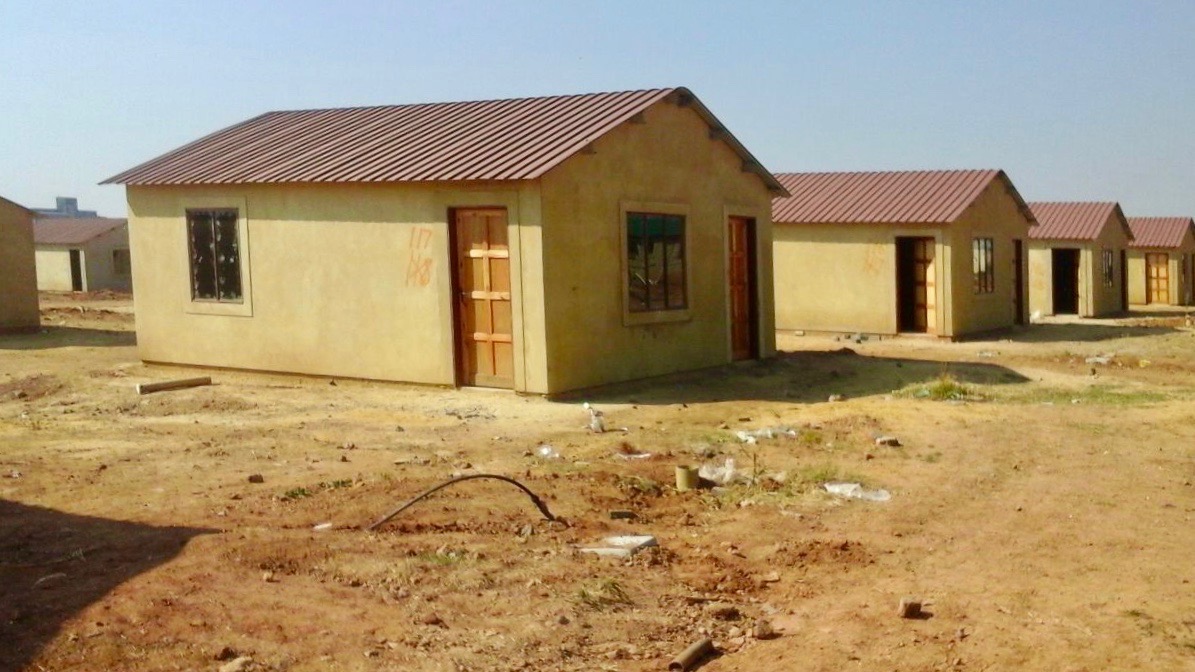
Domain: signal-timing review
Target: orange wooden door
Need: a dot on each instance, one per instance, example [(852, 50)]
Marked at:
[(1157, 278), (924, 276), (740, 276), (484, 328)]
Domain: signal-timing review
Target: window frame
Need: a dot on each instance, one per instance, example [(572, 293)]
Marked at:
[(661, 315), (983, 265), (192, 305), (1108, 266)]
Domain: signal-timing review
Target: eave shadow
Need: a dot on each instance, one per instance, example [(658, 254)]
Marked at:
[(1080, 332), (54, 564)]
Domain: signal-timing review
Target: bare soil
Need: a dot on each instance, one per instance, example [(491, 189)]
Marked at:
[(1041, 507)]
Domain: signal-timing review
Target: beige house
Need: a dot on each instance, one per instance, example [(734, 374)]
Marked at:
[(540, 244), (18, 277), (934, 252), (1161, 261), (83, 254), (1077, 258)]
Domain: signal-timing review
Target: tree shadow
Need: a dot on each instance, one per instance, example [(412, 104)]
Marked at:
[(54, 564), (49, 337), (1080, 332), (803, 376)]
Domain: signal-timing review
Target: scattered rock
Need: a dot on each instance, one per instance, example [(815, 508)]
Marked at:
[(563, 620), (886, 440), (240, 664), (723, 611), (763, 630), (620, 514), (771, 577), (256, 478), (910, 607), (836, 397), (269, 577), (226, 653), (432, 618)]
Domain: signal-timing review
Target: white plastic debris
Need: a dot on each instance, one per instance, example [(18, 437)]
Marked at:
[(546, 451), (632, 456), (856, 491), (752, 436), (623, 546), (597, 419), (723, 475), (321, 527), (1102, 360)]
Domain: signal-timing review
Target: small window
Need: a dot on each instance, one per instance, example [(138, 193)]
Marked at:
[(655, 262), (1108, 266), (983, 266), (122, 266), (215, 256)]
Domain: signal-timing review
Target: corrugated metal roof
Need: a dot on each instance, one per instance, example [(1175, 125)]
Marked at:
[(1160, 231), (1075, 220), (72, 230), (512, 139), (889, 197)]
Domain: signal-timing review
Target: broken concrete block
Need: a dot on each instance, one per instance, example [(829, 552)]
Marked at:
[(623, 546)]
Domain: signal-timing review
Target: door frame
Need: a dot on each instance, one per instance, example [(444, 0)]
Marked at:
[(931, 294), (458, 373), (752, 247)]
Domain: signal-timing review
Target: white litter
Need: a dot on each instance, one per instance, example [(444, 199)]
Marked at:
[(752, 436), (547, 452), (723, 475), (623, 546), (322, 526), (856, 491), (597, 419)]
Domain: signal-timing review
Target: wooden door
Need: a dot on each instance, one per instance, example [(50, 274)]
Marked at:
[(923, 269), (741, 279), (484, 327), (1157, 278)]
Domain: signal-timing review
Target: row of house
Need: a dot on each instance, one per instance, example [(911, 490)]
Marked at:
[(549, 244)]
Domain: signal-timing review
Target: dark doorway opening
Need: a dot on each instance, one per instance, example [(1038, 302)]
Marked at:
[(76, 272), (1066, 281), (915, 285)]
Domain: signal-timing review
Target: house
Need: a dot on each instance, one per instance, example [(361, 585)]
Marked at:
[(18, 278), (83, 254), (538, 244), (1077, 257), (938, 252), (1161, 258)]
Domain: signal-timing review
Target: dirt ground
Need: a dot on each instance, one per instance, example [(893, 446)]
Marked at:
[(1041, 508)]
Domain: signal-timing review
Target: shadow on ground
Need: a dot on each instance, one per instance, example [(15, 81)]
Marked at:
[(49, 337), (1081, 332), (54, 564), (805, 377)]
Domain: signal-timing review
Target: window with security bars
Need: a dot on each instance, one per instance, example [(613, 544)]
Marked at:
[(655, 262), (983, 266), (1108, 267), (215, 255)]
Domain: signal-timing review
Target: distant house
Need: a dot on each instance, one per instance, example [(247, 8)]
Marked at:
[(934, 252), (18, 278), (1161, 259), (82, 254), (1077, 258), (537, 244), (64, 206)]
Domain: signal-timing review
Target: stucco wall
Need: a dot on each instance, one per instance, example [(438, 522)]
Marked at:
[(842, 277), (667, 160), (99, 271), (1181, 289), (1095, 298), (18, 275), (54, 268), (994, 215), (328, 279)]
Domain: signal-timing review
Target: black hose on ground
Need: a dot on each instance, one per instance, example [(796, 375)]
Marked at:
[(539, 503)]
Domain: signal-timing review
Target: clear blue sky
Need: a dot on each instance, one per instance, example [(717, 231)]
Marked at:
[(1077, 100)]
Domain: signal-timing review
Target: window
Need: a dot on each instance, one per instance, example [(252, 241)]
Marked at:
[(122, 266), (982, 266), (1108, 267), (215, 256), (655, 262)]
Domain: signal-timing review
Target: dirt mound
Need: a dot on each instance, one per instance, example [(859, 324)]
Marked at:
[(30, 388)]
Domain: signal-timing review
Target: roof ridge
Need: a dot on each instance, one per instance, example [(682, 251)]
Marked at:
[(511, 99)]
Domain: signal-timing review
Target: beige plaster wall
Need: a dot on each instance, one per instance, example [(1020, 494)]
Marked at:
[(53, 268), (996, 215), (1181, 289), (18, 275), (329, 281), (667, 161), (98, 269), (842, 277), (1108, 300)]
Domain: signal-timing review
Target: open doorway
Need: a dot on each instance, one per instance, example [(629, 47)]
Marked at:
[(76, 271), (915, 283), (1065, 281)]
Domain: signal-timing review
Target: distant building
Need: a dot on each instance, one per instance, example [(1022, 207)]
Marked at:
[(82, 254), (18, 279), (65, 206)]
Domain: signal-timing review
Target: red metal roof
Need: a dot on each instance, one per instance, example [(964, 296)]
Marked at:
[(513, 139), (72, 230), (893, 197), (1075, 220), (1160, 231)]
